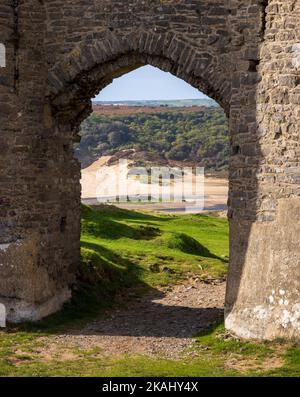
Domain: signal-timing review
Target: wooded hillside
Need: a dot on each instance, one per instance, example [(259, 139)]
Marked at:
[(198, 135)]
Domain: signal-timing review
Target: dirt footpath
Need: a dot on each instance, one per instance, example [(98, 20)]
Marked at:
[(161, 323)]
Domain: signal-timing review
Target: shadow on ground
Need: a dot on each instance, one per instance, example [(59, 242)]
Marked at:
[(119, 303), (149, 318)]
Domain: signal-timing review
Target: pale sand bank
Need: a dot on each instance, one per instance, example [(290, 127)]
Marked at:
[(98, 180)]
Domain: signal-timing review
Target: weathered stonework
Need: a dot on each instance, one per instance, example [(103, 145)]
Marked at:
[(244, 54)]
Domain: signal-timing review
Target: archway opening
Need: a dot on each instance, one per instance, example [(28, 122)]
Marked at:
[(153, 133)]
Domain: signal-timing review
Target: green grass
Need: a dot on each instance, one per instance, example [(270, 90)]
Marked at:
[(125, 254), (214, 355), (186, 243)]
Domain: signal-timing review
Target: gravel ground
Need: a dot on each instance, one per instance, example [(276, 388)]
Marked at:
[(163, 322)]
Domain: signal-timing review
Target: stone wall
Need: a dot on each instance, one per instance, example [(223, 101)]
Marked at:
[(39, 180), (244, 54), (266, 304)]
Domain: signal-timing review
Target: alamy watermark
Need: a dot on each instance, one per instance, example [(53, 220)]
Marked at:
[(2, 56), (123, 183), (2, 316)]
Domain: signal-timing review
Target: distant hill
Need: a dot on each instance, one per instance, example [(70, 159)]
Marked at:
[(168, 103), (197, 135), (122, 110)]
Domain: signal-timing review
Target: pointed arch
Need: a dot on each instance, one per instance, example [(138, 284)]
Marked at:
[(89, 68)]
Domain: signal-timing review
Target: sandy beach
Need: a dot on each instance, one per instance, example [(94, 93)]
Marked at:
[(103, 183)]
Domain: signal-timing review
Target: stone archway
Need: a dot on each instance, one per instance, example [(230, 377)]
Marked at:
[(89, 68), (227, 49)]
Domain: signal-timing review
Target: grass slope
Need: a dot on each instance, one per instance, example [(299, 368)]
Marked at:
[(143, 241), (125, 253)]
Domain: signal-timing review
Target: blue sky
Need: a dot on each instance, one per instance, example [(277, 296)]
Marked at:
[(148, 83)]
